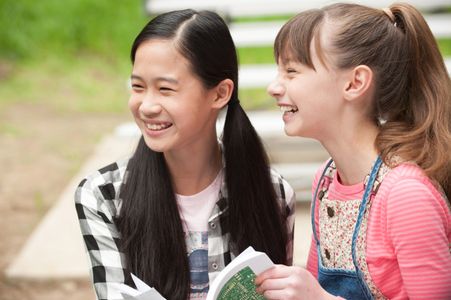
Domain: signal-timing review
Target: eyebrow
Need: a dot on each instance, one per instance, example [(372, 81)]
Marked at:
[(161, 78)]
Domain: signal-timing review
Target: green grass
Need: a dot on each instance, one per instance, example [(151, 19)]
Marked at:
[(262, 18), (91, 85), (256, 55), (66, 28), (256, 99), (445, 46)]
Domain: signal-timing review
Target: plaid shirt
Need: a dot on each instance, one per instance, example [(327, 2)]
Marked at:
[(97, 203)]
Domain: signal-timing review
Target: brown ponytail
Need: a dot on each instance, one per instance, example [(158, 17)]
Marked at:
[(420, 131)]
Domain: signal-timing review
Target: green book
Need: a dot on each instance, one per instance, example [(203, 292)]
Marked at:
[(236, 281)]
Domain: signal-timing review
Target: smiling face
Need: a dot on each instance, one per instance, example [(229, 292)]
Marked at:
[(169, 103), (309, 98)]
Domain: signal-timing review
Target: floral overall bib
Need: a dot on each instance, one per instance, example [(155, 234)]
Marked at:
[(343, 271)]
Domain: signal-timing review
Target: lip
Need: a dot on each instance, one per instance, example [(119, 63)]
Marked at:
[(286, 115)]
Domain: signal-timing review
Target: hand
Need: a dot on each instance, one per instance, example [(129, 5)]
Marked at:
[(290, 283)]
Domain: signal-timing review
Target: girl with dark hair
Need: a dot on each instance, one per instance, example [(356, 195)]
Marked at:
[(372, 87), (185, 204)]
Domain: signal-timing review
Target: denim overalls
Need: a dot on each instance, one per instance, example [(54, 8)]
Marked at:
[(349, 284)]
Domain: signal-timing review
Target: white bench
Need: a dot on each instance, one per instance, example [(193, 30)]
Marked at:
[(264, 33), (245, 8)]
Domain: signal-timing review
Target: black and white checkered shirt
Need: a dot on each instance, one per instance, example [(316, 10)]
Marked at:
[(97, 203)]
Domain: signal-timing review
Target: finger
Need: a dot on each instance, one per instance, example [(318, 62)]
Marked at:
[(279, 295), (277, 284), (278, 271)]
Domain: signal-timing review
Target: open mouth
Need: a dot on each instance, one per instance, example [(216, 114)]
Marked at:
[(288, 109), (158, 126)]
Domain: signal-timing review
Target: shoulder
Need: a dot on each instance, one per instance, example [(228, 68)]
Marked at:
[(104, 184), (406, 177), (407, 185)]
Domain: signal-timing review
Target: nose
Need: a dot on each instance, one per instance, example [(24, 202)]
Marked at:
[(276, 89), (149, 107)]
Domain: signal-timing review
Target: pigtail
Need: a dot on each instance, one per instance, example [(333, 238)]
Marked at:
[(421, 131), (151, 230), (257, 216)]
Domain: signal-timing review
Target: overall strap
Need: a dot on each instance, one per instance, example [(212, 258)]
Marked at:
[(366, 196), (315, 197)]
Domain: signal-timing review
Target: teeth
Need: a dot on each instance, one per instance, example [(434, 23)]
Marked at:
[(286, 108), (157, 126)]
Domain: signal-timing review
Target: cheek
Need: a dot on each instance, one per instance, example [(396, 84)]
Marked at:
[(133, 104), (294, 91)]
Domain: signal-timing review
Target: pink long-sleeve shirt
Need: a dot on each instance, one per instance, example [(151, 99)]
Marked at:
[(408, 236)]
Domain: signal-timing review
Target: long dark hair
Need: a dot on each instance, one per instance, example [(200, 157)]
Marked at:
[(152, 234), (412, 86)]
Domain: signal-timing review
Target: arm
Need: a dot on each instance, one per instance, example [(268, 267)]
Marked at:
[(101, 240), (418, 226), (312, 261)]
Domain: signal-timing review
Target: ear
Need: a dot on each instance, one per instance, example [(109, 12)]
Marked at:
[(222, 93), (358, 82)]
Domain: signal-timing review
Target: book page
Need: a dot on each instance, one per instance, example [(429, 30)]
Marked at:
[(151, 294), (142, 291), (244, 267), (240, 286)]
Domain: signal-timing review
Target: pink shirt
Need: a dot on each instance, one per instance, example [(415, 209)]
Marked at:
[(408, 235), (195, 210)]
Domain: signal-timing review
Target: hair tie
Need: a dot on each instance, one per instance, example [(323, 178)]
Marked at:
[(390, 15)]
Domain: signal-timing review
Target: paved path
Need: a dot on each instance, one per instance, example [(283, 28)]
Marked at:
[(55, 249)]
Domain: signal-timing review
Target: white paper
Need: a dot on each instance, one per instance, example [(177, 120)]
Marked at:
[(142, 291)]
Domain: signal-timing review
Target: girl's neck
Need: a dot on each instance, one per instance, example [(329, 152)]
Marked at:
[(354, 153), (192, 170)]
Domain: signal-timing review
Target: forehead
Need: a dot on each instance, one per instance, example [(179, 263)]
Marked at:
[(312, 50), (159, 55)]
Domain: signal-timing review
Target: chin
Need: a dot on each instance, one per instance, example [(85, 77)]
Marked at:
[(154, 146), (290, 132)]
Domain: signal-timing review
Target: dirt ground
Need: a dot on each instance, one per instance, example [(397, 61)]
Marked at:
[(40, 150)]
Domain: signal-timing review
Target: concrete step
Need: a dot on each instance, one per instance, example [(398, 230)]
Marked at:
[(55, 249), (264, 33)]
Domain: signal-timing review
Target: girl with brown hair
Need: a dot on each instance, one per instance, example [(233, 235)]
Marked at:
[(372, 87)]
